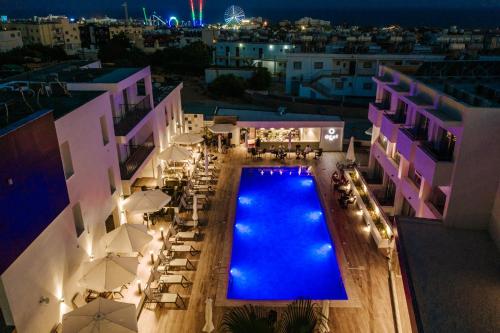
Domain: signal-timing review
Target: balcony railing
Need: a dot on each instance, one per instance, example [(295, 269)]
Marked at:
[(396, 118), (382, 105), (138, 154), (131, 115), (436, 154), (415, 133)]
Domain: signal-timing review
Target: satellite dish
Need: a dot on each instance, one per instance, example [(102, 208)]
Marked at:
[(234, 15)]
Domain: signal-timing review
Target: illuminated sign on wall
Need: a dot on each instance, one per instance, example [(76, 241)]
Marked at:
[(331, 134)]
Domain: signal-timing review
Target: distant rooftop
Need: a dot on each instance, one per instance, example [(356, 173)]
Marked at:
[(265, 115), (14, 109), (452, 276)]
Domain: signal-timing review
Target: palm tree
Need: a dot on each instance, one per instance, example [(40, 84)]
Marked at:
[(301, 317), (247, 319)]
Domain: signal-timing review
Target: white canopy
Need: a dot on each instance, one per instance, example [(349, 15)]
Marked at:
[(109, 272), (187, 139), (146, 201), (350, 156), (221, 128), (195, 210), (127, 238), (101, 315), (175, 154)]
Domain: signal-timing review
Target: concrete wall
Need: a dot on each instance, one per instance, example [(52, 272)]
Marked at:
[(212, 73), (51, 265)]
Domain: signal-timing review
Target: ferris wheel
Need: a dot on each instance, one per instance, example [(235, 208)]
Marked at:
[(234, 15)]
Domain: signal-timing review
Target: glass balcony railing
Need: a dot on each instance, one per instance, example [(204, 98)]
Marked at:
[(415, 133), (137, 155), (130, 115), (437, 154)]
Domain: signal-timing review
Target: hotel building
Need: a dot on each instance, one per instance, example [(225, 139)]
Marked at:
[(50, 31), (330, 76), (434, 151), (10, 39), (77, 138)]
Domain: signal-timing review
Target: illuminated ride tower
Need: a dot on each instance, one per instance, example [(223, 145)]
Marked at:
[(198, 22)]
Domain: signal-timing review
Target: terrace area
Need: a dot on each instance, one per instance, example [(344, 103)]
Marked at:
[(363, 266)]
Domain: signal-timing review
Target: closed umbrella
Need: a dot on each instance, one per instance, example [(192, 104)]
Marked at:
[(195, 210), (101, 315), (325, 311), (187, 139), (127, 238), (350, 156), (109, 272), (175, 154), (219, 143), (206, 159), (146, 201), (209, 324), (159, 174), (246, 139)]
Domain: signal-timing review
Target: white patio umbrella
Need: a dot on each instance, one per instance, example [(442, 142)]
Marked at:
[(101, 315), (187, 139), (325, 311), (109, 272), (127, 238), (195, 210), (209, 324), (219, 143), (205, 153), (221, 128), (175, 154), (159, 174), (146, 201), (350, 151)]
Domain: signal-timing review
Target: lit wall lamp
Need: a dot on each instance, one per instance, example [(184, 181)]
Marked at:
[(139, 289), (162, 236), (152, 257)]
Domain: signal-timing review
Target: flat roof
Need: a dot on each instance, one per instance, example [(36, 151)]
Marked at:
[(20, 110), (47, 70), (265, 115), (451, 275), (72, 72)]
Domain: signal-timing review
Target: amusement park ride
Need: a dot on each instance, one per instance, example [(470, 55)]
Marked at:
[(157, 20)]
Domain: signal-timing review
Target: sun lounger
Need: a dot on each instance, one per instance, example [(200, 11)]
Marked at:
[(183, 223), (175, 263), (169, 279), (164, 298)]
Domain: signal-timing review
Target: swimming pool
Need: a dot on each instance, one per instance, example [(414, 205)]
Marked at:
[(282, 249)]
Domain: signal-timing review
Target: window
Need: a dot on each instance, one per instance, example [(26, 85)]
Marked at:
[(367, 86), (297, 65), (104, 130), (367, 64), (111, 178), (78, 219), (318, 65), (339, 85), (66, 160)]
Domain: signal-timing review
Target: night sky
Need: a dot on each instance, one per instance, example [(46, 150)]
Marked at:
[(214, 9)]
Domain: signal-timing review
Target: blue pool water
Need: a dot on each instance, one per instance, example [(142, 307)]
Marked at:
[(282, 249)]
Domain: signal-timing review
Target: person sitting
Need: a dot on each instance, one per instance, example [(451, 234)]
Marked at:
[(307, 150)]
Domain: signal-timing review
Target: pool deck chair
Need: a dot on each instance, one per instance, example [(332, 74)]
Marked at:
[(176, 263), (182, 248), (169, 279), (164, 298), (183, 223)]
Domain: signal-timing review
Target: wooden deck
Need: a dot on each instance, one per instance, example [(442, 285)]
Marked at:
[(363, 266)]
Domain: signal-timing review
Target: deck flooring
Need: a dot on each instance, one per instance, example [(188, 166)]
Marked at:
[(363, 265)]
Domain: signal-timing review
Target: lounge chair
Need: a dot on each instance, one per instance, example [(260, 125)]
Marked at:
[(166, 279), (182, 248), (169, 263), (186, 206), (163, 298), (183, 223), (175, 236), (78, 301)]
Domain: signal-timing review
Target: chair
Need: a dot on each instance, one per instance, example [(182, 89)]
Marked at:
[(163, 298), (183, 223), (182, 248), (176, 263), (170, 279), (78, 301), (175, 235)]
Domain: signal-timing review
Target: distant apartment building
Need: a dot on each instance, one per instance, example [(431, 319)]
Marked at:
[(272, 56), (94, 35), (435, 151), (50, 31), (10, 39), (330, 76), (76, 148)]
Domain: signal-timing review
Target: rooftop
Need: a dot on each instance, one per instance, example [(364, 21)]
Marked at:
[(15, 110), (452, 276), (265, 115), (72, 72)]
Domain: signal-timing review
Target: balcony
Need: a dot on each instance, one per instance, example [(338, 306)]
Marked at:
[(131, 115), (390, 124), (375, 111), (388, 164), (407, 139), (138, 154), (434, 166)]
